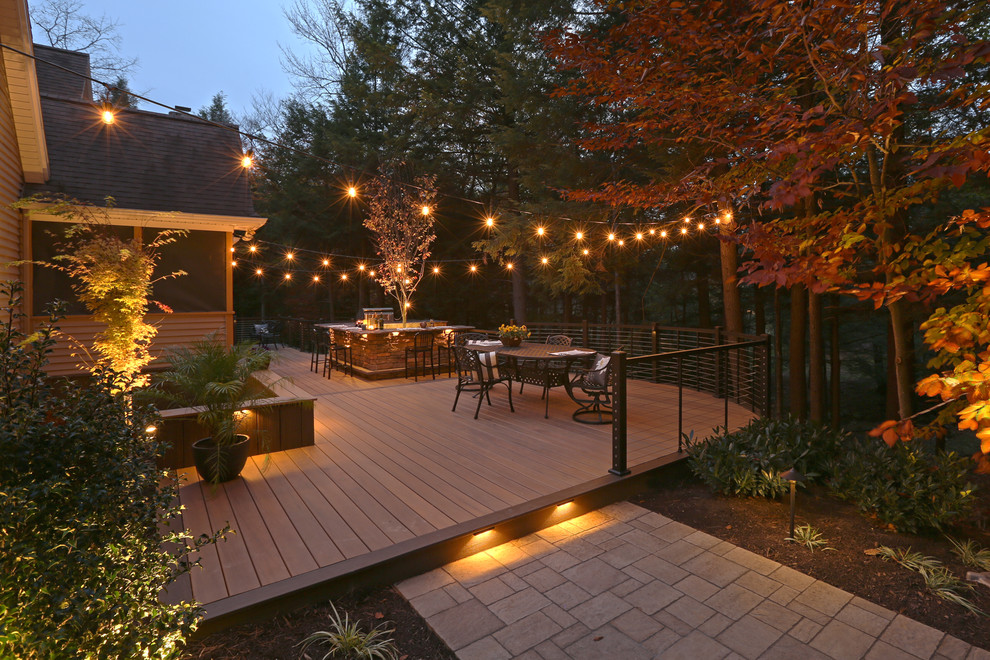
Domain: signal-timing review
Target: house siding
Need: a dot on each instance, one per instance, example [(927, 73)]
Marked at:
[(173, 330), (11, 184)]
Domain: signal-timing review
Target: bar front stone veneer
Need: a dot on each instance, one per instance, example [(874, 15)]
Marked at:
[(379, 354)]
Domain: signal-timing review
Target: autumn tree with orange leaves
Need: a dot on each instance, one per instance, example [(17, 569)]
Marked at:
[(843, 134)]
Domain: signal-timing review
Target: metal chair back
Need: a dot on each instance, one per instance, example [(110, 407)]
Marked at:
[(559, 340)]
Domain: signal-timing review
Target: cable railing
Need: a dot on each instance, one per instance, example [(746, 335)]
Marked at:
[(736, 372)]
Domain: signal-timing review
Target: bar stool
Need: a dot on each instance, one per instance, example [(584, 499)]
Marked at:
[(340, 342), (319, 341), (445, 345), (422, 345)]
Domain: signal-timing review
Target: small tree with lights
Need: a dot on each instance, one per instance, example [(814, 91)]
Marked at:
[(400, 217)]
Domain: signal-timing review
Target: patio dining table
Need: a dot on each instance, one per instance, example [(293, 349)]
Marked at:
[(529, 363)]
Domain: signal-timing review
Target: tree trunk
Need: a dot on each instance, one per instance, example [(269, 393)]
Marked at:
[(519, 293), (330, 310), (816, 358), (617, 286), (731, 301), (778, 355), (704, 300), (901, 334), (835, 379), (567, 299), (760, 311), (798, 381)]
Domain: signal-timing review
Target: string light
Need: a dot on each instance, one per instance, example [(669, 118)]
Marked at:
[(372, 273), (108, 116), (540, 231), (611, 236), (474, 269), (621, 242), (288, 276), (316, 278), (701, 226), (361, 267), (544, 261), (234, 264), (653, 232), (579, 235), (639, 236), (509, 265), (436, 270), (687, 218), (489, 221), (253, 248), (257, 271), (290, 256), (231, 249), (343, 276), (663, 234), (247, 162), (684, 230), (326, 262), (585, 252)]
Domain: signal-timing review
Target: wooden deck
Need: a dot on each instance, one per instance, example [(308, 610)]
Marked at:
[(393, 468)]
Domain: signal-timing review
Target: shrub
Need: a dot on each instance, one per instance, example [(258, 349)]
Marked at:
[(904, 485), (749, 461), (82, 509)]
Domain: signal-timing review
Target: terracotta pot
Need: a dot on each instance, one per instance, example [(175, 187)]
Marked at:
[(511, 341), (219, 464)]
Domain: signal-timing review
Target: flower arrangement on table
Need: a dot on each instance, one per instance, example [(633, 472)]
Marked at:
[(512, 335)]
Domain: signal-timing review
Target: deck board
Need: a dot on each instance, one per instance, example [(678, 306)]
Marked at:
[(392, 462)]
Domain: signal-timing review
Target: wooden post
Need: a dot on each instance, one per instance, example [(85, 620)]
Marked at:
[(584, 333)]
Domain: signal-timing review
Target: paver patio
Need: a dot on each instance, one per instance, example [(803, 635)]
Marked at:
[(626, 583)]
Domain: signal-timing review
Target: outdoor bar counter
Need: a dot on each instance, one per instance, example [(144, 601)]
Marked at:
[(378, 354)]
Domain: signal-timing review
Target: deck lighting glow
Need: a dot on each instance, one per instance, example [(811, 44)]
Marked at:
[(108, 117), (565, 504), (484, 531)]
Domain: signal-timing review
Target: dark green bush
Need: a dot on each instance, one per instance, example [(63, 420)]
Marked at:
[(904, 486), (749, 461), (82, 513)]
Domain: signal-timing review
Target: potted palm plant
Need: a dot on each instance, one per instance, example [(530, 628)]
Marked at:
[(213, 378)]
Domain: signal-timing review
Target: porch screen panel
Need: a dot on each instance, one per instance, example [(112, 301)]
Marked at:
[(201, 255), (49, 284)]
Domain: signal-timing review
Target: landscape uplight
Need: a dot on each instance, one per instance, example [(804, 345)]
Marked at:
[(792, 476)]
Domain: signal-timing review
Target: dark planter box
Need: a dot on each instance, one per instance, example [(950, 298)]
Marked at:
[(274, 425)]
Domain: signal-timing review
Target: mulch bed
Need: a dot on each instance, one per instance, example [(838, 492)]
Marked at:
[(761, 526), (755, 524), (277, 638)]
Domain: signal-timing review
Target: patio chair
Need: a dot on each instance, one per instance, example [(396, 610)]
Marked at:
[(597, 387), (474, 376), (559, 340), (462, 338), (422, 345), (267, 333), (553, 340)]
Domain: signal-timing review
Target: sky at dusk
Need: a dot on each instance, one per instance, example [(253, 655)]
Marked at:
[(188, 51)]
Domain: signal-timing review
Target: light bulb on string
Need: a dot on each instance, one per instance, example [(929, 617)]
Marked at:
[(701, 226), (639, 236), (290, 256), (288, 276), (425, 210), (653, 232), (326, 262), (585, 252), (684, 230), (372, 273), (489, 221), (247, 161), (234, 264), (621, 242), (352, 192), (509, 265), (258, 271), (361, 267), (544, 261), (474, 269), (436, 270), (316, 278), (579, 235), (540, 231), (687, 218), (343, 277), (107, 116), (253, 248), (611, 236), (663, 234)]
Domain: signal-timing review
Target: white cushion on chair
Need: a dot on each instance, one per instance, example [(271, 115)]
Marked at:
[(487, 359)]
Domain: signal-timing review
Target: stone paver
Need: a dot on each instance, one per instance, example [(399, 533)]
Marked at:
[(625, 583)]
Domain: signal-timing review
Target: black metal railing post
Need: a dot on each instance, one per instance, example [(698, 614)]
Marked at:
[(656, 349), (619, 416), (680, 404), (724, 355)]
